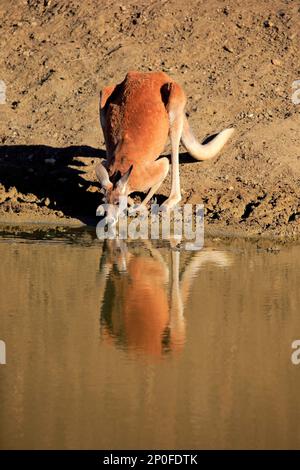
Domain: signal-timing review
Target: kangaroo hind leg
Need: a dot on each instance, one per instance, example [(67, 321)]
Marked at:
[(175, 107)]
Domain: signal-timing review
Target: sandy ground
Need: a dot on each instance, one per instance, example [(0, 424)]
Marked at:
[(236, 63)]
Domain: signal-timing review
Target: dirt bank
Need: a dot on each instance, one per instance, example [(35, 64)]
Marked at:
[(236, 63)]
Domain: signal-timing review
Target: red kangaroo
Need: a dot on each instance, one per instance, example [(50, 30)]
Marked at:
[(137, 116)]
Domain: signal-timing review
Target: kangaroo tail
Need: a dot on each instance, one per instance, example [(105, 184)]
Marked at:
[(203, 151)]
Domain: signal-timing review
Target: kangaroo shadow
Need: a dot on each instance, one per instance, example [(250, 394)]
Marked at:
[(52, 173)]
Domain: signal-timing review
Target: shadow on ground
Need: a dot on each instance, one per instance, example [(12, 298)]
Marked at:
[(55, 174), (51, 173)]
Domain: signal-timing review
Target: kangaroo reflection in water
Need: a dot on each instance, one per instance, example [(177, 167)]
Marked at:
[(143, 299)]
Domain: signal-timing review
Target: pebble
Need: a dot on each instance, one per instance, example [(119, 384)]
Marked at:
[(268, 24), (50, 161), (276, 62), (227, 48)]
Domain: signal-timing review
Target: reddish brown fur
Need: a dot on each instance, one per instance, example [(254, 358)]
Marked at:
[(146, 296), (141, 315), (137, 116), (133, 137)]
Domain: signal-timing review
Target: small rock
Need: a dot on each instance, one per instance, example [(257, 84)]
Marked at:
[(77, 126), (276, 62), (93, 189), (50, 161), (268, 24), (281, 13), (15, 104), (227, 48), (47, 202)]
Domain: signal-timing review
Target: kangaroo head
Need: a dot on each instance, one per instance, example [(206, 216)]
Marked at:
[(113, 190)]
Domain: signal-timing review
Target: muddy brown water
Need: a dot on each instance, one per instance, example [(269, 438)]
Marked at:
[(139, 346)]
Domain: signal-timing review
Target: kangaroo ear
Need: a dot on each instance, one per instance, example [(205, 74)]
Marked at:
[(102, 175), (122, 183)]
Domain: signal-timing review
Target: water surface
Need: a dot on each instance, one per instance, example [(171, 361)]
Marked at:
[(137, 346)]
